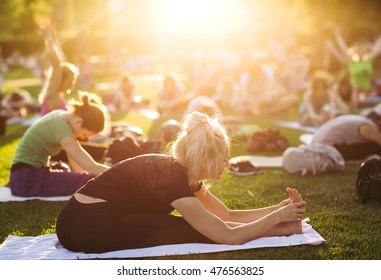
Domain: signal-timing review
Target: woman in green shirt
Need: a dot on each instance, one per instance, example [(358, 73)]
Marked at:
[(31, 172), (359, 60)]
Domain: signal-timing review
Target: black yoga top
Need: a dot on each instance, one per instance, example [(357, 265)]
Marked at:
[(144, 184)]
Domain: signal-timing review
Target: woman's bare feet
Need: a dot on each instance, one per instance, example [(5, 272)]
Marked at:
[(292, 228), (285, 229), (294, 195)]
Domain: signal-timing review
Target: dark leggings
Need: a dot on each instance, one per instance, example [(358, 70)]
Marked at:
[(42, 181), (358, 151), (99, 227)]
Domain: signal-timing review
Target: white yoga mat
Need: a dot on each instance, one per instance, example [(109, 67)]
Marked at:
[(6, 195), (297, 125), (48, 247), (306, 138), (260, 161), (23, 121), (149, 114)]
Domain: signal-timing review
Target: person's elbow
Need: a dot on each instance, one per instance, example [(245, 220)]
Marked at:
[(95, 169), (234, 238)]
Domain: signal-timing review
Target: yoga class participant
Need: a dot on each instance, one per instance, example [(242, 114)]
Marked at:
[(131, 205), (32, 173), (62, 74)]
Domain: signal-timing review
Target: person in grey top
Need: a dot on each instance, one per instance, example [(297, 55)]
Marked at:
[(354, 136)]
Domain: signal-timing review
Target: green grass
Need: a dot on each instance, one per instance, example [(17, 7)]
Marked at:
[(352, 230)]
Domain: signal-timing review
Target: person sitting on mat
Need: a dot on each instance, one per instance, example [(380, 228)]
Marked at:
[(172, 97), (31, 172), (130, 204), (319, 103)]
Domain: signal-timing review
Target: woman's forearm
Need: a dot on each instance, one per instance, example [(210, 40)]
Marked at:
[(247, 216), (243, 233)]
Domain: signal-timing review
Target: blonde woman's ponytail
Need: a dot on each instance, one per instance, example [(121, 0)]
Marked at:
[(201, 144)]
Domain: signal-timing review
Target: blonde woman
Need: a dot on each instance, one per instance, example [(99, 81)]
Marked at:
[(129, 205)]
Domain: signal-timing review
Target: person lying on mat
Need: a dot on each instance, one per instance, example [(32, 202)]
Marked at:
[(356, 137), (32, 174), (130, 204)]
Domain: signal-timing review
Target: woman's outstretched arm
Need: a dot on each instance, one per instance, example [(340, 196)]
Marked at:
[(214, 228), (215, 206), (79, 159)]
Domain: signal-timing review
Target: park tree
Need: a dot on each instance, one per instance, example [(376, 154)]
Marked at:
[(18, 18)]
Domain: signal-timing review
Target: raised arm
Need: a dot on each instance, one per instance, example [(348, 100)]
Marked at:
[(56, 57), (342, 56), (79, 159), (343, 47), (332, 104), (310, 107), (376, 48)]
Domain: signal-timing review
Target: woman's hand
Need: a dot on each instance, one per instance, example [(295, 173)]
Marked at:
[(293, 196), (284, 202), (293, 208), (45, 28), (292, 212)]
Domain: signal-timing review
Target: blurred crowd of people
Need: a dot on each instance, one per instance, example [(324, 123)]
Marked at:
[(342, 106), (263, 83)]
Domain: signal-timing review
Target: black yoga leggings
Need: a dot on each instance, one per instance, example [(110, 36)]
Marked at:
[(99, 227), (358, 151)]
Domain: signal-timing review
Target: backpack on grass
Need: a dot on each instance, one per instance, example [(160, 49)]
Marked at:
[(368, 183), (267, 140), (314, 158), (128, 147)]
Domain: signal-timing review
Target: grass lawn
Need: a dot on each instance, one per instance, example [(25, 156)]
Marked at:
[(352, 230)]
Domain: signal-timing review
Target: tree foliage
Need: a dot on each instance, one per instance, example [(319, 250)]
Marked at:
[(89, 20), (18, 18)]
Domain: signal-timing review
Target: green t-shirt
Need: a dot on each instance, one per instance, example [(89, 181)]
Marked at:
[(361, 73), (42, 139)]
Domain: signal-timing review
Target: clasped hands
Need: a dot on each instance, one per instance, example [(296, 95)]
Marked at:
[(293, 208)]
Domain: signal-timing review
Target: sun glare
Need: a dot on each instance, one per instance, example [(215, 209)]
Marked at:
[(189, 23), (201, 16)]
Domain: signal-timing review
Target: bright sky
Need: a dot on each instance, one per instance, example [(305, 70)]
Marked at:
[(202, 15), (193, 16), (200, 22)]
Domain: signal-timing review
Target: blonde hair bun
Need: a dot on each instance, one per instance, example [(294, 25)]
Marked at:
[(201, 144)]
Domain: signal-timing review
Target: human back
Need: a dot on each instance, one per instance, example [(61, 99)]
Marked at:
[(145, 183), (33, 173), (42, 140), (343, 129)]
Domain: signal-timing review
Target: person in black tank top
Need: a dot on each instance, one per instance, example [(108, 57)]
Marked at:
[(131, 205)]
